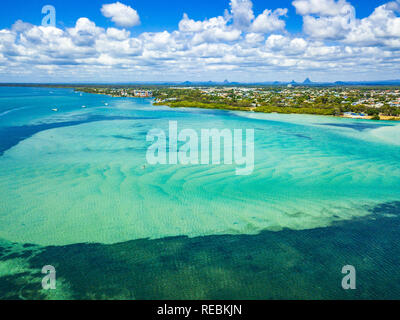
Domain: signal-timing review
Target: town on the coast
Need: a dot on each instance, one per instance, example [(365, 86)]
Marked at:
[(376, 103)]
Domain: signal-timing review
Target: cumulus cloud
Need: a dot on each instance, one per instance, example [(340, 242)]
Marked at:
[(332, 28), (210, 30), (236, 23), (84, 33), (326, 19), (121, 14), (239, 42), (269, 21), (254, 38), (242, 13), (382, 27), (322, 7), (336, 20)]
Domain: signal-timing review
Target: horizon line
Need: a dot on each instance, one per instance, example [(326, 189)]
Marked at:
[(226, 82)]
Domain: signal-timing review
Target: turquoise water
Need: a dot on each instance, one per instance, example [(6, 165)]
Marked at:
[(77, 176)]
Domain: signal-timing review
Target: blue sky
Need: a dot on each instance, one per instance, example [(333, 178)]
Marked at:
[(326, 40), (156, 15)]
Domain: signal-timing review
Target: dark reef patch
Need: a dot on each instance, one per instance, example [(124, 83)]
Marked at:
[(355, 126), (388, 208), (271, 265), (303, 136), (11, 136)]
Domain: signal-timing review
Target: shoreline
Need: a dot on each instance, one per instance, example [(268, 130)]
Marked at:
[(244, 109), (252, 109), (382, 118), (370, 118)]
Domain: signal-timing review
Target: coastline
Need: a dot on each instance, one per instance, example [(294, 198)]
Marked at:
[(228, 108), (382, 117), (250, 109)]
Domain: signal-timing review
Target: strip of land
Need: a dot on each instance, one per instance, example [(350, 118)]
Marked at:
[(371, 103)]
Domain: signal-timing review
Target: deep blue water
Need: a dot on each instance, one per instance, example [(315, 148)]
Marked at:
[(325, 193)]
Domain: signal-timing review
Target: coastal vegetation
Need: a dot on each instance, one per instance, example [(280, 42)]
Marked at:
[(375, 103), (335, 101)]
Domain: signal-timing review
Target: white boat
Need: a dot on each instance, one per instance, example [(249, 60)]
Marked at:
[(83, 106), (55, 110)]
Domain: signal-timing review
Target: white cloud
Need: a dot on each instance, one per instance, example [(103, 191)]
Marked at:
[(210, 30), (237, 22), (240, 42), (242, 13), (269, 21), (322, 7), (117, 34), (254, 38), (382, 27), (121, 14), (189, 25), (85, 32), (326, 19), (276, 42), (286, 45), (336, 20), (332, 28), (20, 26)]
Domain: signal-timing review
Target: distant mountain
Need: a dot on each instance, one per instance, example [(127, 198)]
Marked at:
[(369, 83), (210, 83)]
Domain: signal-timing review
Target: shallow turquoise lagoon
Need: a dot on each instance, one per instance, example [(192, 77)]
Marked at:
[(80, 176)]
